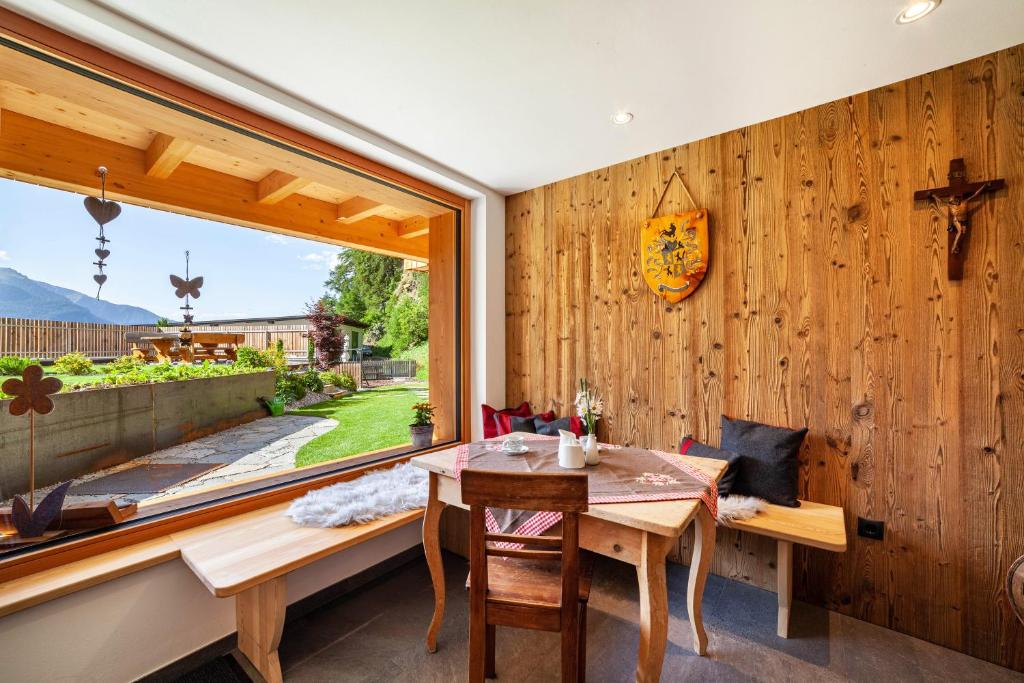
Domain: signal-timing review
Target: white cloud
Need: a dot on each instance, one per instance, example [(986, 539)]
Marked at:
[(274, 237), (4, 256), (318, 260)]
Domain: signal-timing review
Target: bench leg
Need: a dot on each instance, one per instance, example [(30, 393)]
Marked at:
[(785, 586), (259, 612)]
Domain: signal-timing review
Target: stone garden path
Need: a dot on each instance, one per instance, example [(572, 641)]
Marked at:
[(259, 447)]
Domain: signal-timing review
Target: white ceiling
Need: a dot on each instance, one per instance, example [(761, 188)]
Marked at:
[(517, 94)]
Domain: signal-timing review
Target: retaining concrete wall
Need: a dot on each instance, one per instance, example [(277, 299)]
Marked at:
[(93, 429)]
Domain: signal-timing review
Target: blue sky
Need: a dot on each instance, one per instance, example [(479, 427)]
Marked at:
[(47, 235)]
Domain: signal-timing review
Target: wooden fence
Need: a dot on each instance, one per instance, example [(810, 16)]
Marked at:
[(375, 370), (296, 344), (51, 339)]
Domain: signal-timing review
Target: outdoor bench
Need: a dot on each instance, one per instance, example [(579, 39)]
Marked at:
[(812, 524)]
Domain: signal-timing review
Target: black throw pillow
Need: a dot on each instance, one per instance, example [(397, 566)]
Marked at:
[(769, 465), (522, 424), (551, 428), (695, 448)]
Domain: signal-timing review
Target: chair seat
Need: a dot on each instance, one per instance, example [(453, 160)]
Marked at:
[(532, 583)]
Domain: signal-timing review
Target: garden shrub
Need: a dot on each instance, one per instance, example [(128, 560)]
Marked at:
[(342, 380), (15, 365), (290, 387), (123, 365), (73, 364), (250, 357), (311, 379), (163, 372)]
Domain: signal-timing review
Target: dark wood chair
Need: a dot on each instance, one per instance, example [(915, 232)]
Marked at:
[(543, 586)]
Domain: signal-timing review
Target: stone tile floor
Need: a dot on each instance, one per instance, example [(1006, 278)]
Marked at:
[(376, 634), (258, 447)]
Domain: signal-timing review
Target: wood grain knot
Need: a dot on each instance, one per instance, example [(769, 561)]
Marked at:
[(862, 411), (617, 548), (854, 213)]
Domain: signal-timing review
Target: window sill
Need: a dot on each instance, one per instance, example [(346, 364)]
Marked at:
[(78, 562)]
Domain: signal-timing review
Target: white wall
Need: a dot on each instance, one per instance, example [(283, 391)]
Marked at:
[(132, 626)]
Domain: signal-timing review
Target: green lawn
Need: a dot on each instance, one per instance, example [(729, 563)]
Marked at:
[(367, 421)]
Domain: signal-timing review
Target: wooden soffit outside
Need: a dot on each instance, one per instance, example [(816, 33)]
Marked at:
[(60, 120)]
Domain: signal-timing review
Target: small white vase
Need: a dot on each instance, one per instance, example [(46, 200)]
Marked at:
[(590, 450)]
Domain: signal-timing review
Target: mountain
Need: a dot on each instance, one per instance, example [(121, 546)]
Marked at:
[(22, 297)]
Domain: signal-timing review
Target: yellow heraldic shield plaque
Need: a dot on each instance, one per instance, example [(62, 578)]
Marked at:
[(675, 253)]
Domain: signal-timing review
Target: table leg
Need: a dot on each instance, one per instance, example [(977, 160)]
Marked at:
[(653, 607), (700, 565), (432, 550), (259, 612)]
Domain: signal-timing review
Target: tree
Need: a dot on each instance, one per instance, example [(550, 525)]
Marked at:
[(375, 290), (324, 324), (362, 287)]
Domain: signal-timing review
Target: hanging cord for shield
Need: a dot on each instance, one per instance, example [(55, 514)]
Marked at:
[(675, 174)]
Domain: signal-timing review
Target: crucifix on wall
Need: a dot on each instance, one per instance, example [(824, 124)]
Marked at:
[(957, 197)]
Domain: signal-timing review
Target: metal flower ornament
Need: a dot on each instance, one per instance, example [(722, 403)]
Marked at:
[(32, 395)]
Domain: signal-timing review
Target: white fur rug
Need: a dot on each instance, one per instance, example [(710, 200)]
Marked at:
[(738, 508), (377, 494)]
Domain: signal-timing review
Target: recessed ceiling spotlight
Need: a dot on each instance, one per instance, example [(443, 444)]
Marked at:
[(621, 118), (916, 10)]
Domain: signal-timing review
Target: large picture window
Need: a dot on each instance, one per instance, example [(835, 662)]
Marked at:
[(330, 303)]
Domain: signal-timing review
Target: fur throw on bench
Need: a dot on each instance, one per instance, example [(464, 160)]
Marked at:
[(735, 508), (377, 494)]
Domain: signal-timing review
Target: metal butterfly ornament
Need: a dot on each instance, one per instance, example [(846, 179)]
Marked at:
[(185, 288), (102, 211)]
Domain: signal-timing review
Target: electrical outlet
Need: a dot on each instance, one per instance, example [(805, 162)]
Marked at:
[(871, 528)]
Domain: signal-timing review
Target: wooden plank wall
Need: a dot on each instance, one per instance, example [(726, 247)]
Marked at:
[(826, 305), (51, 339)]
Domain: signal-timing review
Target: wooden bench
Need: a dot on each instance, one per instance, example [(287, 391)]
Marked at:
[(250, 556), (812, 524)]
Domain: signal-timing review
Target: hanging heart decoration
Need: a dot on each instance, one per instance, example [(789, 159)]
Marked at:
[(102, 211)]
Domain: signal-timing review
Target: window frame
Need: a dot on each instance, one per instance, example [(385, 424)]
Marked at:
[(32, 38)]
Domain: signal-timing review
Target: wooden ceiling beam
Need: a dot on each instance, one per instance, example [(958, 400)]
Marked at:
[(414, 226), (46, 154), (166, 153), (358, 208), (78, 91), (277, 185)]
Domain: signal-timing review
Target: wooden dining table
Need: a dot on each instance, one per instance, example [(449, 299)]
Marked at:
[(641, 534)]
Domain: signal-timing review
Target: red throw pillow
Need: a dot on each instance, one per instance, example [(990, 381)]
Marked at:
[(489, 413), (504, 420)]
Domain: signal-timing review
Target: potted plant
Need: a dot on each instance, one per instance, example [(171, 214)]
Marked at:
[(422, 427)]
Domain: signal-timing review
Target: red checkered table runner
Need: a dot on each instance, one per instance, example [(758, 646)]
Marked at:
[(625, 475)]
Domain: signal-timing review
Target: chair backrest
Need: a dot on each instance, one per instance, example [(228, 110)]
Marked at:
[(541, 492)]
